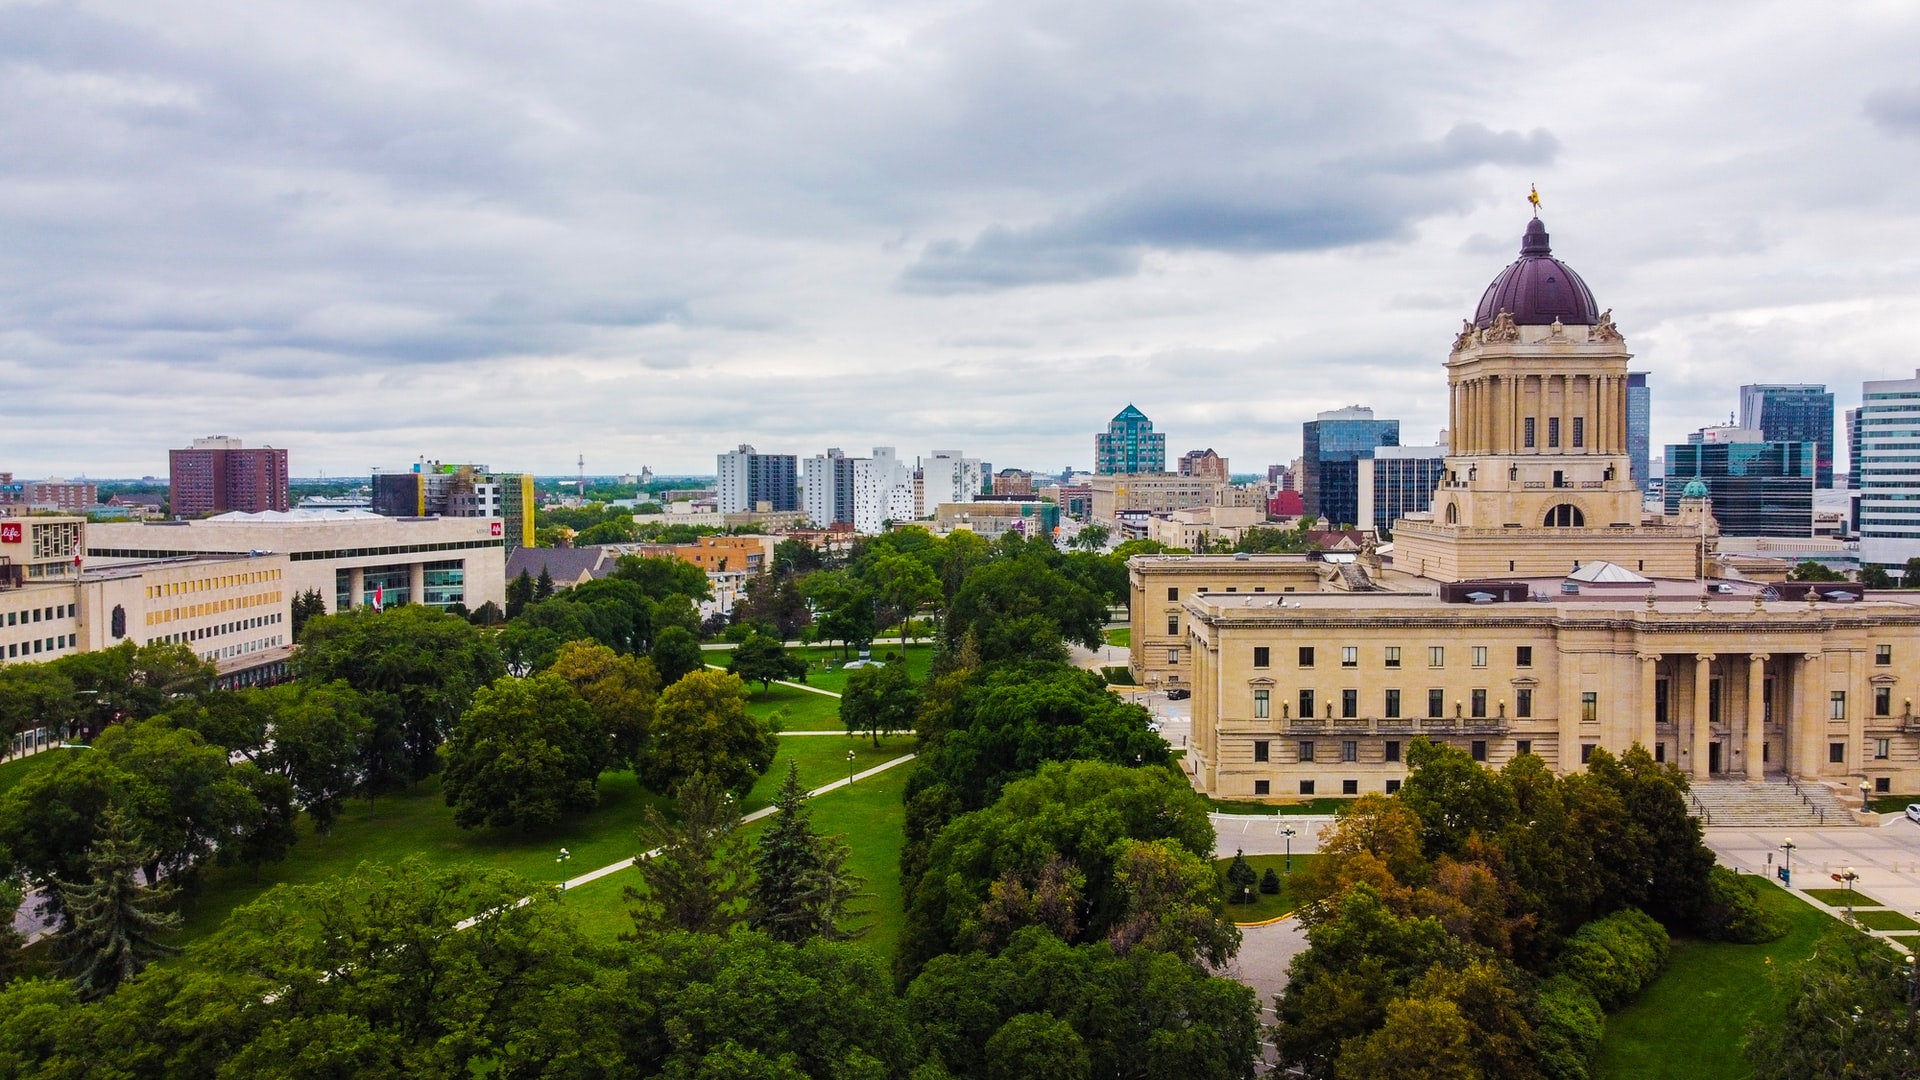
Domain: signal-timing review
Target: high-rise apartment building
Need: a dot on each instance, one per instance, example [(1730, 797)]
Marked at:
[(1129, 445), (1853, 449), (434, 489), (218, 474), (1639, 427), (863, 492), (748, 479), (948, 476), (70, 496), (1396, 482), (1203, 463), (1888, 465), (1759, 487), (1795, 412), (1334, 443)]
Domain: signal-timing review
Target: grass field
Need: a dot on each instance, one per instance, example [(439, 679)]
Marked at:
[(1882, 919), (1691, 1023), (1265, 906), (834, 678), (793, 709), (1120, 636), (1839, 897), (1892, 804), (1321, 806), (14, 771)]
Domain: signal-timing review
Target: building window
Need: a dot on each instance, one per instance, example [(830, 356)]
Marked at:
[(1436, 704), (1527, 432), (1882, 655), (1523, 656), (1479, 703), (1173, 592), (1393, 786), (1349, 787), (1306, 704), (1173, 624), (1837, 753), (1883, 701), (1523, 703), (1263, 787), (1660, 702), (1553, 431), (1306, 656), (1479, 656), (1261, 655), (1349, 656), (1882, 784), (1579, 431), (1393, 750), (1436, 656), (1586, 752), (1882, 748), (1260, 752), (1306, 750), (1349, 750), (1523, 746), (1349, 704), (1392, 708), (1393, 656), (1260, 704), (1306, 787), (1589, 706), (1839, 701), (1479, 749)]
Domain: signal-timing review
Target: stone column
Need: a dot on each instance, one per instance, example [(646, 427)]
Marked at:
[(1702, 720), (417, 583), (1809, 721), (1645, 733), (1756, 716), (356, 586)]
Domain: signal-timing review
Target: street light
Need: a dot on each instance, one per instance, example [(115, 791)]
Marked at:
[(1786, 872), (1864, 788), (1288, 833), (565, 858), (1849, 876), (849, 767)]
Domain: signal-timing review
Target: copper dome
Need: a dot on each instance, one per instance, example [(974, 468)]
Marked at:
[(1538, 288)]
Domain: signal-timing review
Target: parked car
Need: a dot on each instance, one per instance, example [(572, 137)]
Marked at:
[(1913, 811), (1179, 694)]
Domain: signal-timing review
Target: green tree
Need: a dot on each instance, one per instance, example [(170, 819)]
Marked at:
[(306, 605), (621, 690), (1808, 570), (543, 586), (1092, 537), (117, 922), (763, 659), (519, 594), (701, 725), (1846, 1016), (528, 752), (904, 583), (662, 576), (676, 653), (487, 614), (1019, 608), (801, 886), (1419, 1039), (695, 868), (1873, 577), (1910, 574), (794, 556), (777, 602), (880, 699), (843, 609), (319, 737), (34, 695), (415, 668), (1241, 879)]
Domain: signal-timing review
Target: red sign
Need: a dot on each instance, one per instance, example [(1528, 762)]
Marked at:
[(499, 529), (12, 532)]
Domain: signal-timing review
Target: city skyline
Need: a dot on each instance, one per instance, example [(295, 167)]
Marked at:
[(645, 234)]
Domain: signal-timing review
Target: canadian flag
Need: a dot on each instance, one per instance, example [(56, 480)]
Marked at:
[(379, 595)]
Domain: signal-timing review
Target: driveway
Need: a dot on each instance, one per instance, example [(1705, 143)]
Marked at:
[(1887, 858)]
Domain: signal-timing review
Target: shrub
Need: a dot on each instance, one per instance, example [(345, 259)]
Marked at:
[(1615, 957), (1270, 882), (1569, 1022), (1733, 912)]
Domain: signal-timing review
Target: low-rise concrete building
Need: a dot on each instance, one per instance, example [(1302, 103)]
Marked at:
[(1160, 586)]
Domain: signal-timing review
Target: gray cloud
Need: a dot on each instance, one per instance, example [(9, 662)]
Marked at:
[(1896, 112)]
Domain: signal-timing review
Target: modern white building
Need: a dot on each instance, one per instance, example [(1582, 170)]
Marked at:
[(948, 476), (1888, 465), (863, 492)]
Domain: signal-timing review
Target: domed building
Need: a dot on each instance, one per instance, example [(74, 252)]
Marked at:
[(1536, 610)]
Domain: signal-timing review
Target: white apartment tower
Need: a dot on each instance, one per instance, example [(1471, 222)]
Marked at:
[(1888, 467), (948, 477)]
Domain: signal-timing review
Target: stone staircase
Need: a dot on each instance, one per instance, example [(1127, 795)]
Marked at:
[(1769, 804)]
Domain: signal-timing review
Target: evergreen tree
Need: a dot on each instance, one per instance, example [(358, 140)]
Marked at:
[(305, 606), (1270, 882), (543, 586), (519, 593), (801, 885), (696, 878), (117, 922), (1241, 879)]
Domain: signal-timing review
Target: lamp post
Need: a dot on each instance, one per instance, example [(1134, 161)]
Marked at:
[(565, 858), (849, 767), (1786, 872), (1288, 833), (1864, 788), (1849, 876)]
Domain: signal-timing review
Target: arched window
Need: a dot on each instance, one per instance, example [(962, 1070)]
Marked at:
[(1453, 513), (1564, 516)]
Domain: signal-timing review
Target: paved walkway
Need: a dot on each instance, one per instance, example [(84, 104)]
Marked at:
[(783, 682), (1886, 858)]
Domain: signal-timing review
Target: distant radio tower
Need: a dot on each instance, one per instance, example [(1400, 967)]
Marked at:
[(583, 476)]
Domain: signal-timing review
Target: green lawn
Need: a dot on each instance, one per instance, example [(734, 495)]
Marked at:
[(15, 771), (1892, 804), (1121, 636), (794, 709), (1884, 920), (823, 759), (1690, 1024), (1321, 806), (1839, 897), (1265, 906), (834, 677)]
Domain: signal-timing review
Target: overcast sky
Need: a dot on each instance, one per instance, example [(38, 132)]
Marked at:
[(517, 232)]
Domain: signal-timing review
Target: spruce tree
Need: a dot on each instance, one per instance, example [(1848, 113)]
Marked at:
[(116, 921), (519, 593), (1241, 879), (801, 886), (543, 585), (697, 877)]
